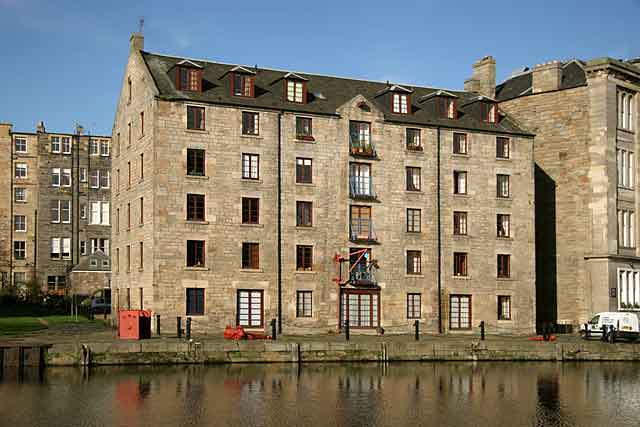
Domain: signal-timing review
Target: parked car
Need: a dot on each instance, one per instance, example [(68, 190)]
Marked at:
[(626, 325), (101, 302)]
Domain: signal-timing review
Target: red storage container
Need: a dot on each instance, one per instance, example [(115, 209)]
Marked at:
[(134, 324)]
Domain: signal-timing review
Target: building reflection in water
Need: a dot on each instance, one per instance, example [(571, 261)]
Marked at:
[(443, 394)]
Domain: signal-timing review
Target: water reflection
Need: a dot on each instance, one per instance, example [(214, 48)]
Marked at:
[(445, 394)]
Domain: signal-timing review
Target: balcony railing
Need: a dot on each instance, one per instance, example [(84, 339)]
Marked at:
[(361, 187), (361, 275), (361, 230), (362, 147)]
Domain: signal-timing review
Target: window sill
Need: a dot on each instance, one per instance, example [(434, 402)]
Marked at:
[(460, 236), (505, 320), (200, 131), (413, 191), (631, 131), (459, 156), (197, 222), (620, 187), (462, 196), (251, 136), (255, 181), (461, 277), (196, 176), (305, 141), (503, 159), (506, 199), (306, 272), (306, 184), (251, 270), (414, 151), (505, 279), (505, 238), (304, 227), (414, 233), (196, 268), (252, 225), (412, 275)]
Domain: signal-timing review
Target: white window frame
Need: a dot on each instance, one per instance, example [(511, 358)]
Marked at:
[(99, 213), (55, 144), (65, 211), (15, 224), (106, 176), (65, 176), (24, 195), (65, 142), (56, 177), (105, 149), (83, 174), (628, 289), (94, 148), (23, 140), (20, 167), (83, 247), (83, 211), (94, 174), (65, 248), (56, 248), (626, 228)]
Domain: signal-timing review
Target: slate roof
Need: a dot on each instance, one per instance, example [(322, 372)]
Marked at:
[(573, 75), (325, 95)]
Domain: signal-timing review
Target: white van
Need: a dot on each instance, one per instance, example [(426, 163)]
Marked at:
[(626, 325)]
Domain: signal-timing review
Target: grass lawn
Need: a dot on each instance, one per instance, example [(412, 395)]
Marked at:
[(19, 325)]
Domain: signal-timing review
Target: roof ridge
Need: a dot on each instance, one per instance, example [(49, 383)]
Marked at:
[(310, 74)]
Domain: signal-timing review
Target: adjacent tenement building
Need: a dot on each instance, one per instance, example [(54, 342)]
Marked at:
[(56, 199), (584, 115), (244, 194)]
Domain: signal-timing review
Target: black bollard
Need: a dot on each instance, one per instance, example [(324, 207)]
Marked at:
[(179, 327), (273, 329), (586, 331), (604, 333), (346, 330), (482, 330), (417, 326), (188, 328), (158, 324)]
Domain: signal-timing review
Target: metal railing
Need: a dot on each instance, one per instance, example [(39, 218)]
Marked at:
[(360, 187), (362, 275), (362, 229)]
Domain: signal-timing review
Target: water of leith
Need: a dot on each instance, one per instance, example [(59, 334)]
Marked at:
[(411, 394)]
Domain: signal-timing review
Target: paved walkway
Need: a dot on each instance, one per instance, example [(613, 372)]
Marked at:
[(98, 332)]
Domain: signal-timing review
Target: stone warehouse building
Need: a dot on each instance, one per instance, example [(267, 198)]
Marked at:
[(55, 209), (584, 115), (245, 194)]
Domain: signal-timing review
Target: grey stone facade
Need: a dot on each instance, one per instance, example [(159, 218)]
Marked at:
[(159, 280), (55, 199), (573, 109)]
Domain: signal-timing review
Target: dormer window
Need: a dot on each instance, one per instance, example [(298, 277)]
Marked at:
[(489, 111), (243, 85), (447, 107), (189, 79), (400, 103), (295, 91)]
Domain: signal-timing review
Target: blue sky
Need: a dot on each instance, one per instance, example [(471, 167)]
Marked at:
[(63, 61)]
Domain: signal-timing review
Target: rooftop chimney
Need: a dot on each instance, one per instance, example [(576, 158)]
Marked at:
[(546, 77), (5, 129), (40, 127), (136, 41), (483, 80)]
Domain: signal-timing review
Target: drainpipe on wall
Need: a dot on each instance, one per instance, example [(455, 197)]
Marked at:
[(13, 178), (439, 236), (280, 222)]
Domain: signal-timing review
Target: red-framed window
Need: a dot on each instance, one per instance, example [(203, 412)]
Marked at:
[(414, 305), (296, 91), (250, 308), (189, 79), (447, 107), (401, 103), (460, 312), (361, 309), (242, 85), (489, 112)]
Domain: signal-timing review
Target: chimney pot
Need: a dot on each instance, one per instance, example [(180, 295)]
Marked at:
[(136, 41), (484, 74), (546, 76)]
